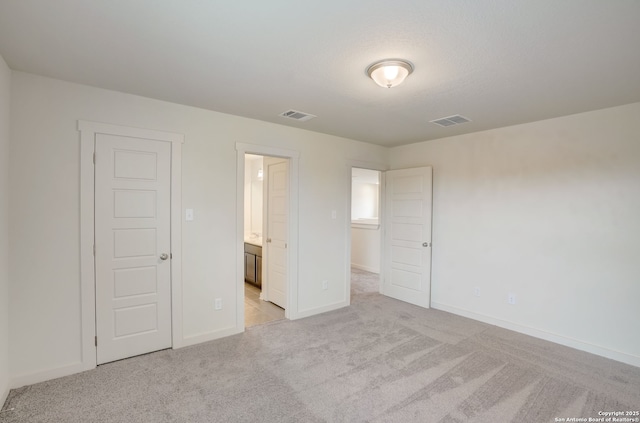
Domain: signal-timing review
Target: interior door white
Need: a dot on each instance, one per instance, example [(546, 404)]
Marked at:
[(132, 242), (408, 235), (277, 229)]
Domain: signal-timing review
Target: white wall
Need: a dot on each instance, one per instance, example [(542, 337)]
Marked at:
[(365, 247), (549, 211), (253, 198), (5, 89), (247, 197), (257, 201), (365, 232), (365, 200), (44, 234)]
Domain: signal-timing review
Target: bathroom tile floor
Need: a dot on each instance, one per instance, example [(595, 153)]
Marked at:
[(256, 311)]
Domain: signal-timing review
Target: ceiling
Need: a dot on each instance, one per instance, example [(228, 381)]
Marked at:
[(496, 62)]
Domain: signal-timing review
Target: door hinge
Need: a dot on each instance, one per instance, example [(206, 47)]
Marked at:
[(96, 339), (285, 245), (170, 255), (94, 249), (94, 158)]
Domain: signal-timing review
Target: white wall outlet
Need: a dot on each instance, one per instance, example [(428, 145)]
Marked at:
[(188, 215), (476, 291), (334, 214), (325, 284), (218, 304), (511, 298)]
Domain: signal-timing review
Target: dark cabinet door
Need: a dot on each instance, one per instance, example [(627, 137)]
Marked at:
[(253, 264), (250, 268), (259, 271)]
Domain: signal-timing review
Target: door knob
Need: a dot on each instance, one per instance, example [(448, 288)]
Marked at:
[(425, 244), (268, 239), (164, 256)]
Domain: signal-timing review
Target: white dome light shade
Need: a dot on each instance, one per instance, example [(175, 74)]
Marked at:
[(389, 73)]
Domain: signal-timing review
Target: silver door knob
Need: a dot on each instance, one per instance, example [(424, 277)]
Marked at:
[(164, 256), (425, 244)]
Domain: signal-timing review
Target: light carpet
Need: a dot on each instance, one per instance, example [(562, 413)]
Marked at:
[(379, 360)]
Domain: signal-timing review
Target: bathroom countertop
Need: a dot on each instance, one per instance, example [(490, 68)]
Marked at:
[(254, 241)]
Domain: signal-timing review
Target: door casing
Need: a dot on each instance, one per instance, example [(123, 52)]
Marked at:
[(291, 310), (88, 131)]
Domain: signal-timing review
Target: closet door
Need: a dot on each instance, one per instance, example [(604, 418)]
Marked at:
[(132, 246)]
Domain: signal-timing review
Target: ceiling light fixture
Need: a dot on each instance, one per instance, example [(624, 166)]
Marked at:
[(389, 73)]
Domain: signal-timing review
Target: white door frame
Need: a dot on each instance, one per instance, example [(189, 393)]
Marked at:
[(291, 310), (371, 166), (88, 131)]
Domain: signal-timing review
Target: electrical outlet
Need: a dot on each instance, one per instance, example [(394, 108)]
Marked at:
[(511, 298), (476, 291), (218, 304), (188, 215), (325, 284)]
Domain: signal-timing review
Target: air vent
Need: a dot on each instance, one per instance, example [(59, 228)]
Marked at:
[(451, 120), (296, 115)]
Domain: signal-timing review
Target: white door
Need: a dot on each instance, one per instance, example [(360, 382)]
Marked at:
[(132, 241), (277, 210), (408, 235)]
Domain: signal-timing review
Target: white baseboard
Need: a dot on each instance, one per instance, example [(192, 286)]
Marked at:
[(547, 336), (365, 268), (44, 375), (318, 310), (208, 336)]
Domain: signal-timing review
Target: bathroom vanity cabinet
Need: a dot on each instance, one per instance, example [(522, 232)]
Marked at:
[(253, 264)]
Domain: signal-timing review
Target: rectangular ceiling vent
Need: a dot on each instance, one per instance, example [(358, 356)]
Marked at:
[(296, 115), (451, 120)]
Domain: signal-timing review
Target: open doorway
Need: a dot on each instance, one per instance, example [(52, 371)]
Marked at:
[(266, 192), (289, 260), (400, 238), (366, 232)]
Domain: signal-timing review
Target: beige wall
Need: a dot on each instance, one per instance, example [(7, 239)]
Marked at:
[(365, 247), (45, 313), (5, 88), (549, 211), (365, 210)]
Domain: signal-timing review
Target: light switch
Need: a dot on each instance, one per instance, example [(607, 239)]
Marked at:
[(188, 215), (334, 214)]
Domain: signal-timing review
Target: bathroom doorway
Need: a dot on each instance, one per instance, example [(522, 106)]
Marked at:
[(266, 194)]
